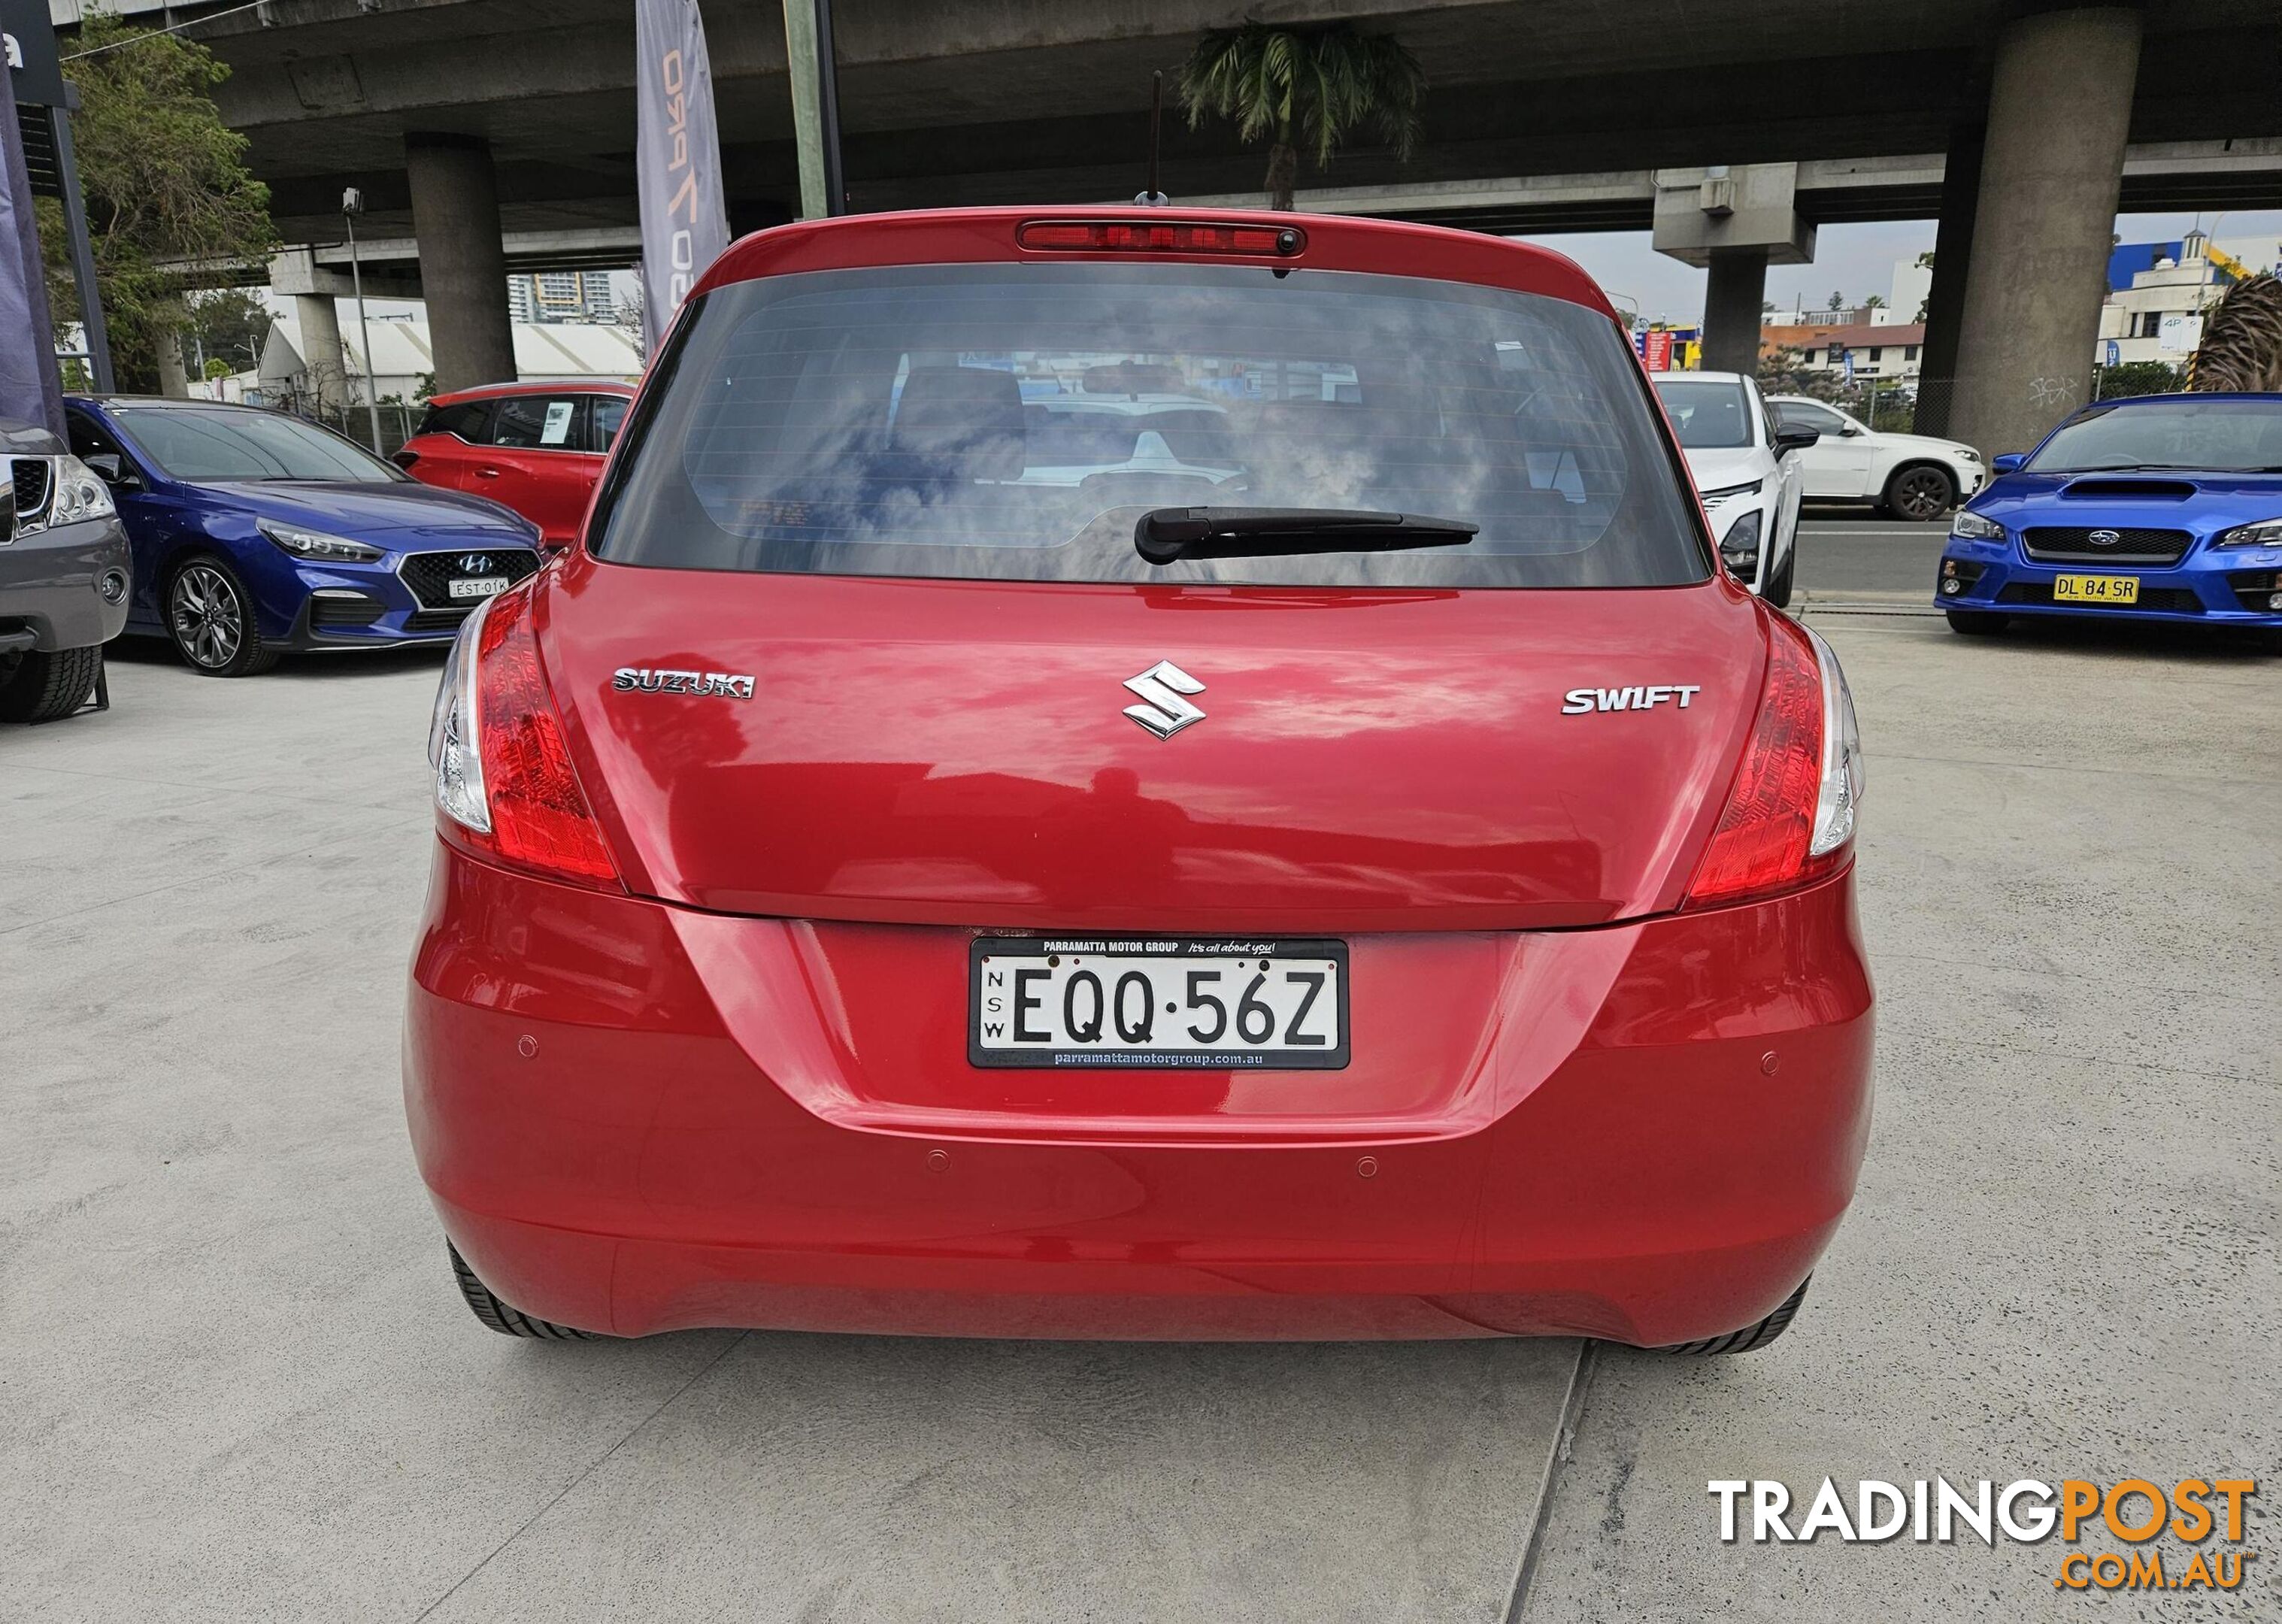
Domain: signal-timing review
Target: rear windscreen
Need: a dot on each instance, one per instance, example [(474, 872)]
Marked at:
[(1016, 420)]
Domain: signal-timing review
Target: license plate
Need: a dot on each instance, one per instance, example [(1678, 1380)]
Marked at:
[(2096, 589), (1138, 1001), (478, 587)]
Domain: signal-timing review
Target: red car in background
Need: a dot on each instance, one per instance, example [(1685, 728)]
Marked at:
[(1349, 865), (538, 448)]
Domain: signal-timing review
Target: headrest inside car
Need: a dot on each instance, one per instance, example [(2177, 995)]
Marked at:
[(970, 417)]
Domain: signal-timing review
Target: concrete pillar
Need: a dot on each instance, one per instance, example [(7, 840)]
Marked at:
[(321, 348), (2060, 108), (1953, 258), (1734, 222), (455, 215), (1732, 297)]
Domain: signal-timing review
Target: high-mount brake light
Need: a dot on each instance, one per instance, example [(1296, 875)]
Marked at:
[(1790, 816), (1159, 237), (504, 777)]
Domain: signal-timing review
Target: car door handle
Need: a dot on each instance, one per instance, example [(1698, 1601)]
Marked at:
[(487, 473)]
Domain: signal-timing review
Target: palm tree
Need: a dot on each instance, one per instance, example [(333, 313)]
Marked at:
[(2242, 347), (1304, 88)]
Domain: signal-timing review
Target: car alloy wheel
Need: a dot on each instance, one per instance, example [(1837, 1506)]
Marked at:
[(1922, 494), (207, 616)]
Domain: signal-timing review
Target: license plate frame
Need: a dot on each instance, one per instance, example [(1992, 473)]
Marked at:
[(2122, 590), (1204, 953), (478, 586)]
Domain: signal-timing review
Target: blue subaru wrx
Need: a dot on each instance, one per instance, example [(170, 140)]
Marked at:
[(2156, 508), (255, 533)]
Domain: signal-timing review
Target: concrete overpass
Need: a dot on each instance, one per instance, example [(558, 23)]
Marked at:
[(468, 121)]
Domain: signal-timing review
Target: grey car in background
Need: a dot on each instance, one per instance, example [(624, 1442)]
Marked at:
[(64, 576)]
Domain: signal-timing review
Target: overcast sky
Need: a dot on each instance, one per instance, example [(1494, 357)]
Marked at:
[(1855, 260)]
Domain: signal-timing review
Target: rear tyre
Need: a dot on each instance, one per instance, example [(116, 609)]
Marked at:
[(210, 617), (502, 1318), (1976, 622), (1777, 590), (1750, 1336), (1921, 495), (46, 686)]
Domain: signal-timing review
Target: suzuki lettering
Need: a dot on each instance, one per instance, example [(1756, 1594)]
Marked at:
[(704, 684), (1164, 712)]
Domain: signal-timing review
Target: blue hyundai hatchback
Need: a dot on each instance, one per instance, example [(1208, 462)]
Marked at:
[(2155, 507), (256, 533)]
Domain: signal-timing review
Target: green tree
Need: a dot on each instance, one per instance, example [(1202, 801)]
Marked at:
[(1838, 301), (228, 325), (1785, 372), (165, 182), (1304, 88), (2136, 377)]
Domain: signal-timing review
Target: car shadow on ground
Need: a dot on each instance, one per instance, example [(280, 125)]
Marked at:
[(2128, 640), (324, 666)]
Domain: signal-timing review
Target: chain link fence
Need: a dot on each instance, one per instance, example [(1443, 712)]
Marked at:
[(1923, 405), (397, 420), (1891, 405)]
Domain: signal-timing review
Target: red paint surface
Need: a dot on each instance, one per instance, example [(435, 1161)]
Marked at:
[(550, 486), (729, 1122), (955, 752), (749, 1101)]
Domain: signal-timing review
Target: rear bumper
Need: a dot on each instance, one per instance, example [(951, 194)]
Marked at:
[(633, 1118)]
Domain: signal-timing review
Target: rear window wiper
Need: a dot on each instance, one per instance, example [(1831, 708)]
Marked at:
[(1167, 535)]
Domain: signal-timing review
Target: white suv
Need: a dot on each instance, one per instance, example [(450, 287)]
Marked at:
[(1909, 475), (1746, 469)]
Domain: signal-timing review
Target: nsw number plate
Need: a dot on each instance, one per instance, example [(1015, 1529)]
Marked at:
[(1060, 1001), (478, 587), (2096, 589)]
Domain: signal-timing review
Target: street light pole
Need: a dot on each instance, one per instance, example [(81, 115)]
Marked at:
[(810, 57), (351, 206)]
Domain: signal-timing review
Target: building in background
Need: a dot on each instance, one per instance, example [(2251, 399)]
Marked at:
[(403, 361), (561, 296), (2157, 294), (1860, 352)]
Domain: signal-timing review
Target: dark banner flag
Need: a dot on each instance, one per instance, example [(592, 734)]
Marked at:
[(29, 388), (684, 222)]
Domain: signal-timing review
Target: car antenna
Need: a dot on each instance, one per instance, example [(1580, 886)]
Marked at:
[(1152, 198)]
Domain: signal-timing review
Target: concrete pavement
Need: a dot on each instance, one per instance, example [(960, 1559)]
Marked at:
[(1849, 556), (235, 1382), (2062, 1261)]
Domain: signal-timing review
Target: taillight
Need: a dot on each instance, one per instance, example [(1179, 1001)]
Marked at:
[(504, 777), (1159, 237), (1790, 816)]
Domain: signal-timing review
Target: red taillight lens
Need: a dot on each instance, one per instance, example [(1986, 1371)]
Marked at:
[(1761, 844), (539, 816), (1159, 237)]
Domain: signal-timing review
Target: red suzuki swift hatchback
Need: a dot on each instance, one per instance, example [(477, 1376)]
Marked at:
[(1104, 774)]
